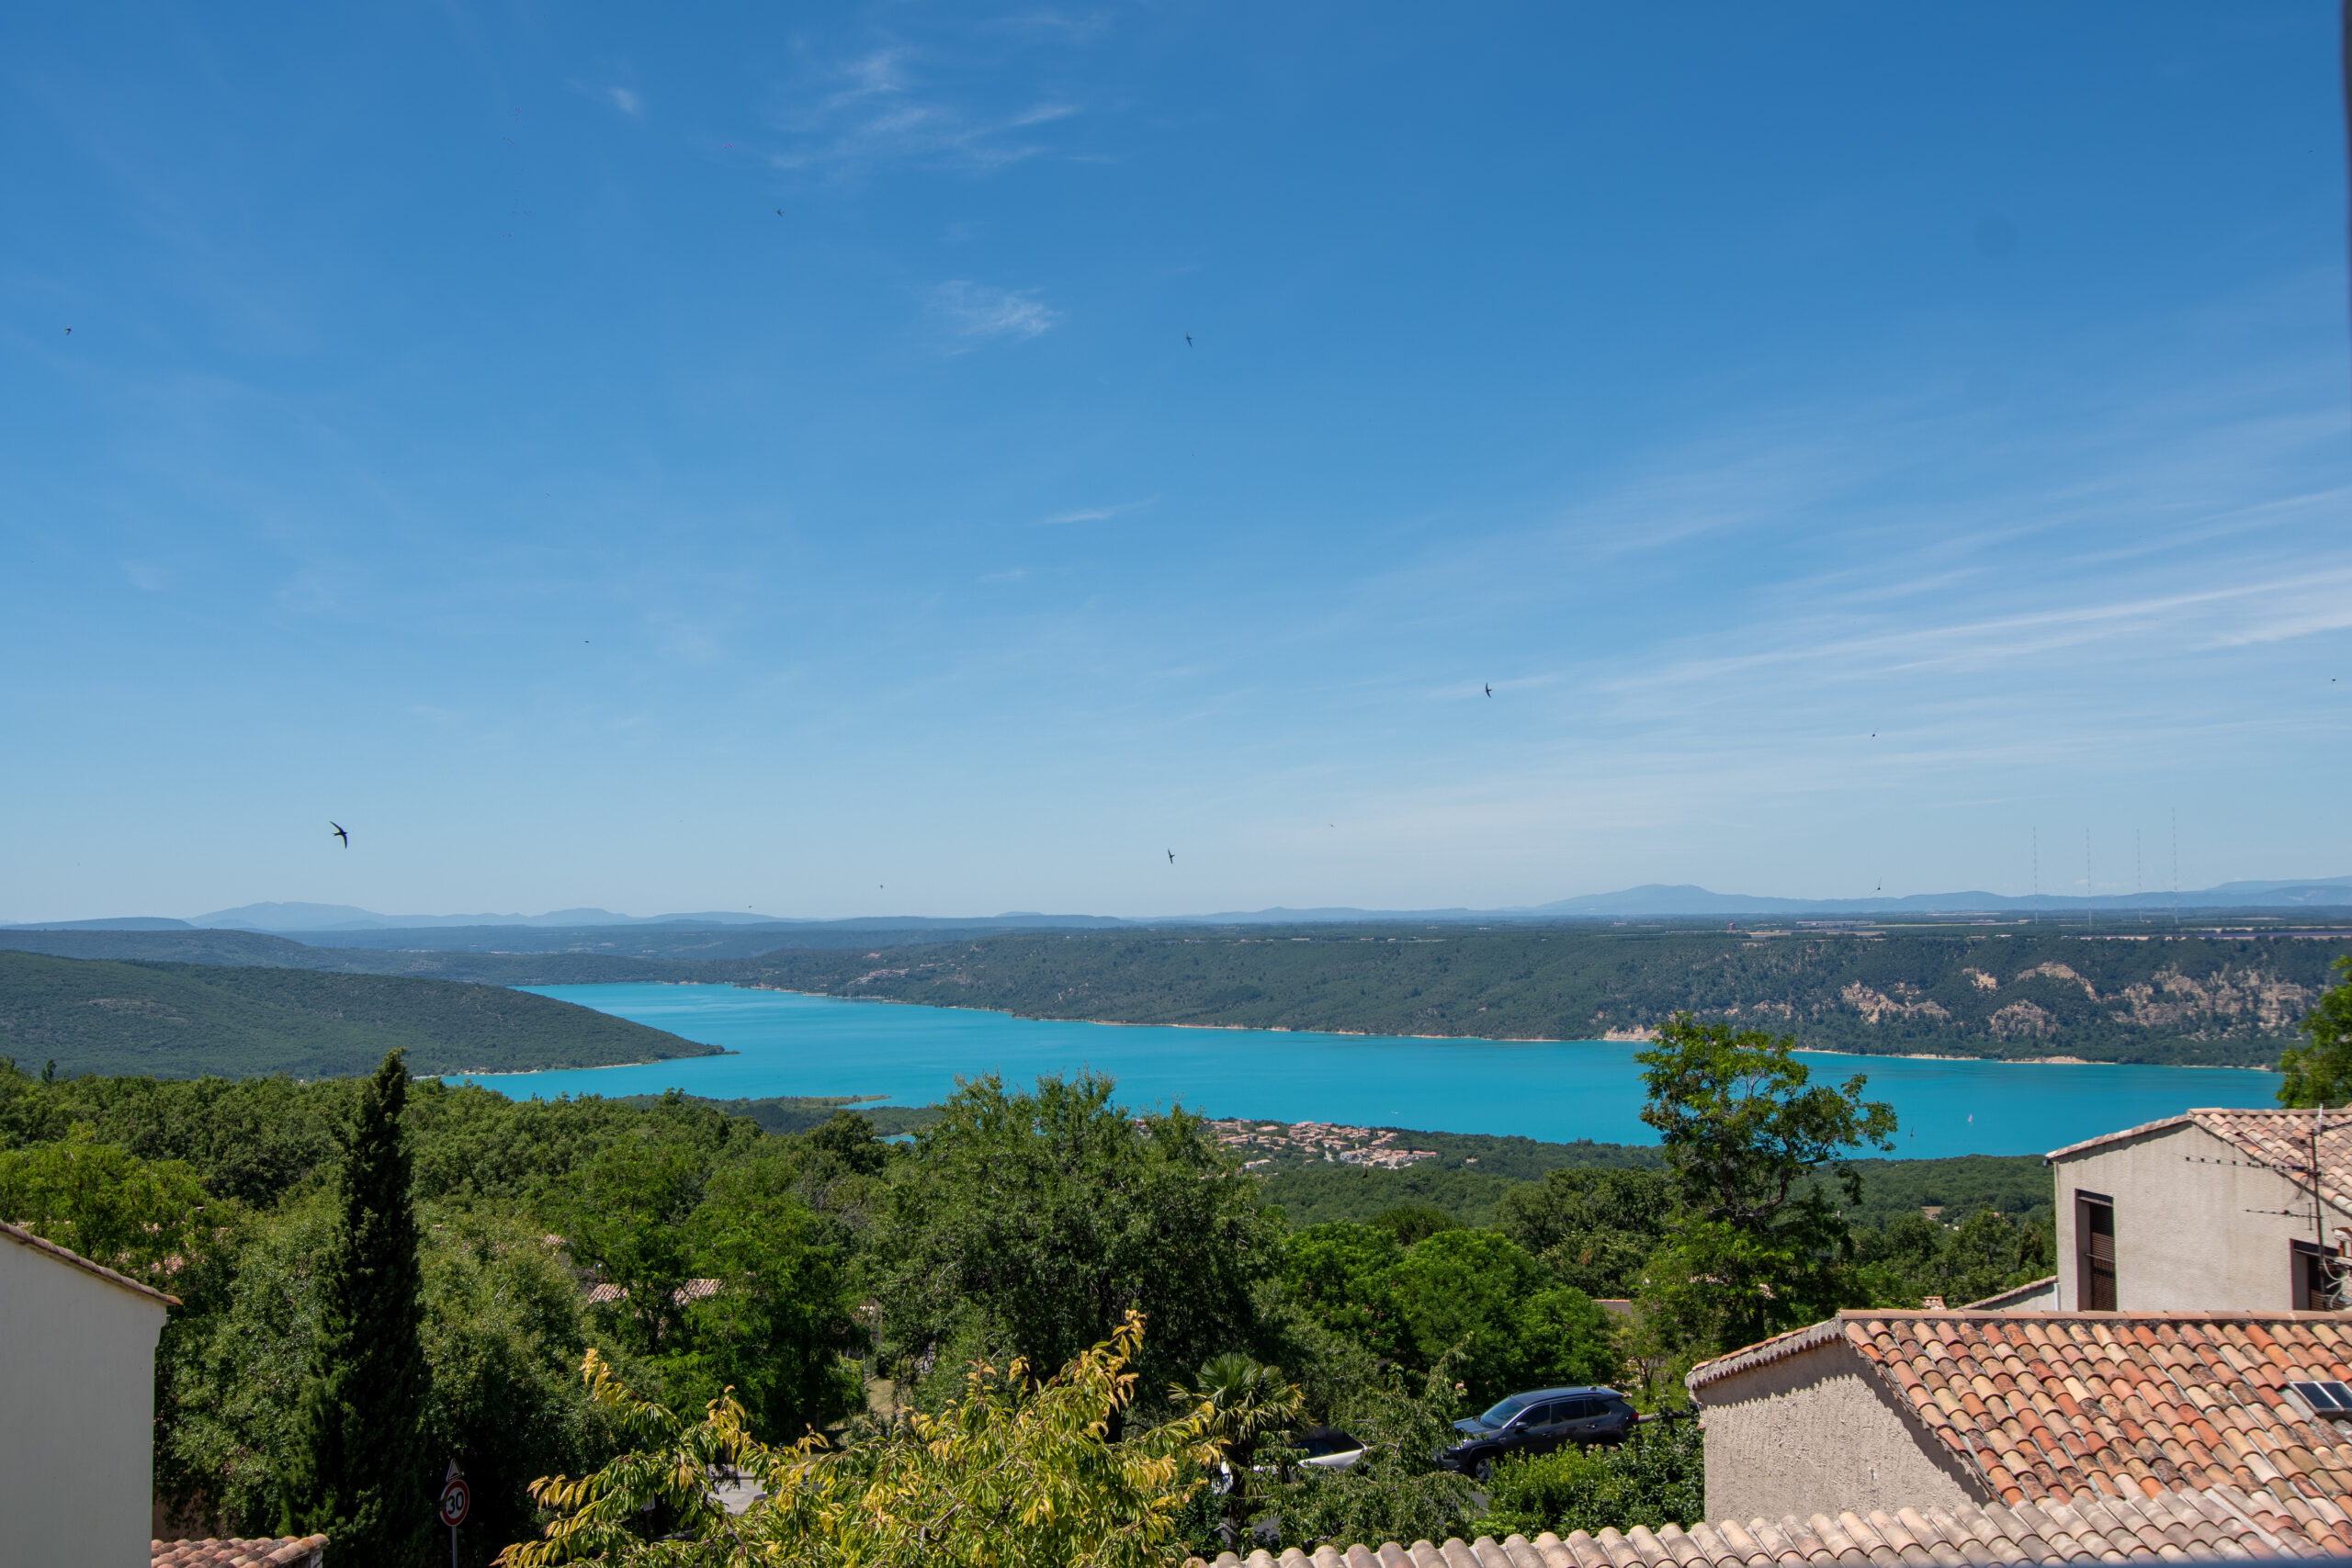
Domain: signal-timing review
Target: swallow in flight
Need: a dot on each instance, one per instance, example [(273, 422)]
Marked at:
[(339, 833)]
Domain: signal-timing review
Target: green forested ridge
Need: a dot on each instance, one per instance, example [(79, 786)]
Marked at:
[(2138, 997), (2141, 994), (191, 1019), (257, 948)]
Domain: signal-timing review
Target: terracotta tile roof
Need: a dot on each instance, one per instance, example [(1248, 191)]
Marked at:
[(74, 1259), (2281, 1139), (2070, 1406), (270, 1551), (691, 1291), (2174, 1527)]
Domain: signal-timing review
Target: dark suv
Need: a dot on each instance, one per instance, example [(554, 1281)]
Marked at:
[(1537, 1423)]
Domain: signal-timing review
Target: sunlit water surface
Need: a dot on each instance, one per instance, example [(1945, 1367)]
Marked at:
[(785, 1043)]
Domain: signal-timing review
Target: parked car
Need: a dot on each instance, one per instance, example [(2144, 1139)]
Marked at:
[(1318, 1447), (1537, 1423), (1326, 1448)]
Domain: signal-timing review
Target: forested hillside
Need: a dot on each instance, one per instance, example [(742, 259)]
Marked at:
[(177, 1021), (2142, 997), (257, 948)]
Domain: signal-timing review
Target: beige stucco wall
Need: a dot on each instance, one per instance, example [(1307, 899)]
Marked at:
[(77, 1381), (1817, 1433), (2198, 1226)]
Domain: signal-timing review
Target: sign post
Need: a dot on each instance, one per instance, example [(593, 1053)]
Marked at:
[(456, 1502)]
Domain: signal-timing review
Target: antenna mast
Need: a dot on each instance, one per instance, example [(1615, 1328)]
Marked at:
[(2090, 910), (2175, 841)]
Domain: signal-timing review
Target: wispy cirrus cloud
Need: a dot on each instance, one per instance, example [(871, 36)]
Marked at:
[(627, 102), (1096, 514), (878, 108), (975, 315)]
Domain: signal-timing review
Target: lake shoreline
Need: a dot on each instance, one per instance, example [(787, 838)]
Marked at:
[(1611, 1038), (802, 1045)]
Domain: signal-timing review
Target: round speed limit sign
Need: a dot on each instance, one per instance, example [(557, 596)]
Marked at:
[(456, 1502)]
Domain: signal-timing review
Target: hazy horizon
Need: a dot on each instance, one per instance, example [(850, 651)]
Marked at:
[(919, 457), (298, 916)]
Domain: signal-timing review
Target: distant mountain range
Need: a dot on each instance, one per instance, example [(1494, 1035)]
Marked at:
[(344, 917), (1656, 899), (1651, 900)]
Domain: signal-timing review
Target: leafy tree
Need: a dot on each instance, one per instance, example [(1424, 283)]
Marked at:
[(1753, 1248), (502, 1336), (627, 1226), (849, 1140), (1409, 1222), (1337, 1276), (1012, 1472), (1656, 1477), (1474, 1296), (1030, 1225), (139, 1217), (357, 1469), (779, 1327), (1479, 1296), (1595, 1226), (2321, 1072), (718, 1278)]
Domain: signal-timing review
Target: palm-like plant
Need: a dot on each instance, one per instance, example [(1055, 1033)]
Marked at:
[(1245, 1400)]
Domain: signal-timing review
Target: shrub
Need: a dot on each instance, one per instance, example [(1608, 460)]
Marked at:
[(1657, 1477)]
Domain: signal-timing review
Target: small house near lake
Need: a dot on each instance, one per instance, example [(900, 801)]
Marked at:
[(2208, 1211)]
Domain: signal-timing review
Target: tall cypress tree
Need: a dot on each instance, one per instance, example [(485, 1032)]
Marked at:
[(358, 1470)]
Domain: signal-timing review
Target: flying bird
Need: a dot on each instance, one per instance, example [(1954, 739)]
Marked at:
[(1171, 857), (339, 833), (1188, 338), (69, 333), (1490, 688)]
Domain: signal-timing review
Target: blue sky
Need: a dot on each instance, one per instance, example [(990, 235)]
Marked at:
[(757, 460)]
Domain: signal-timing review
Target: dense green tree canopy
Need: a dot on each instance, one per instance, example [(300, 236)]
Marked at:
[(2321, 1072), (1594, 1227), (1030, 1225), (1472, 1300)]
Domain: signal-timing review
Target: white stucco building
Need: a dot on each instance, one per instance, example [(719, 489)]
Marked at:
[(77, 1390), (2218, 1209)]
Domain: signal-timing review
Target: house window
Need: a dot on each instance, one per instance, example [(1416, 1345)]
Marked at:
[(2094, 1252), (2313, 1288)]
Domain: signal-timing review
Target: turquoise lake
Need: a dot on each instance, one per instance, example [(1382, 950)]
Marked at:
[(787, 1043)]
